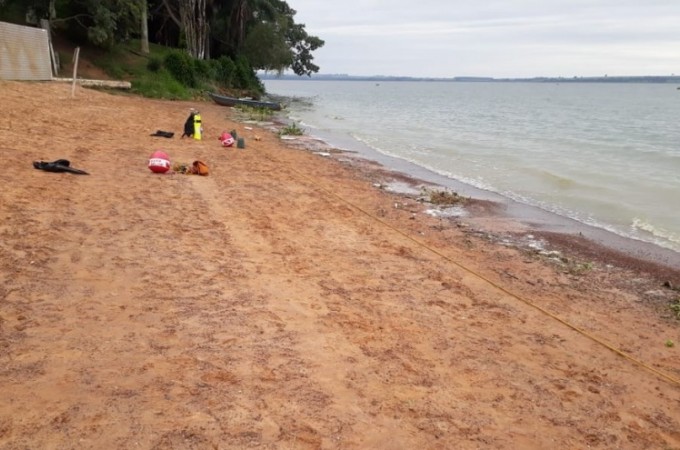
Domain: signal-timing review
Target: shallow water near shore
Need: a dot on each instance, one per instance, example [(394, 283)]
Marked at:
[(603, 155)]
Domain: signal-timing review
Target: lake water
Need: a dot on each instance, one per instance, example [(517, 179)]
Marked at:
[(606, 154)]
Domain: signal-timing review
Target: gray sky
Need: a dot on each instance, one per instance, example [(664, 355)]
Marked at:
[(498, 38)]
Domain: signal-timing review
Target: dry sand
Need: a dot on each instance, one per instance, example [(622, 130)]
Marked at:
[(286, 302)]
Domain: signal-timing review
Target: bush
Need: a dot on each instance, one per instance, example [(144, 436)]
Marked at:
[(173, 73), (181, 67), (675, 307), (160, 85), (154, 64), (246, 78), (225, 71), (203, 69), (291, 130)]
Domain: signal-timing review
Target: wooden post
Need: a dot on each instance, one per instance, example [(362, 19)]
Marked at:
[(45, 25), (75, 71)]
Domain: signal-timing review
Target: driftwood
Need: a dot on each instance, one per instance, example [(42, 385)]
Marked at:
[(97, 83)]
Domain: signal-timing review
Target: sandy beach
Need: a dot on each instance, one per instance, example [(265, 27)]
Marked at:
[(289, 300)]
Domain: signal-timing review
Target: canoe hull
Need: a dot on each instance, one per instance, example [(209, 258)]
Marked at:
[(223, 100)]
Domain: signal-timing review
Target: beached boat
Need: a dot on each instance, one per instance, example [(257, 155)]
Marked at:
[(231, 101)]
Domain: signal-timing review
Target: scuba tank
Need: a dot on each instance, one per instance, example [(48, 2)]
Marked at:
[(198, 126)]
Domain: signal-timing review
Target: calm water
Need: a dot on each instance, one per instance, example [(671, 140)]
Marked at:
[(604, 154)]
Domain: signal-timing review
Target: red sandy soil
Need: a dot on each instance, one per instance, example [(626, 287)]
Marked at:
[(286, 302)]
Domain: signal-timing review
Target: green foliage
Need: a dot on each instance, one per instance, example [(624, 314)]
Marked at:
[(102, 23), (181, 66), (244, 77), (194, 73), (303, 45), (266, 49), (160, 85), (155, 64), (225, 71), (203, 69), (245, 35), (291, 130), (264, 31), (242, 73), (113, 64), (102, 31), (171, 73), (258, 114), (12, 11), (114, 70), (675, 308)]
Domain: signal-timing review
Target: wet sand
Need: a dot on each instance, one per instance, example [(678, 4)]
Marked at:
[(290, 300), (513, 217)]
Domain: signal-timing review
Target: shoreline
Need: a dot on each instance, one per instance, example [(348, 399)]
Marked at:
[(507, 219), (296, 300)]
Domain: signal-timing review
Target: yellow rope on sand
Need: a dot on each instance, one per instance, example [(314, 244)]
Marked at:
[(527, 302)]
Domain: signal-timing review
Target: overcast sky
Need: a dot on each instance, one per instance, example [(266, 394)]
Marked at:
[(498, 38)]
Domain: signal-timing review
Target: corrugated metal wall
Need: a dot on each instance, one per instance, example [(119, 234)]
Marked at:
[(24, 53)]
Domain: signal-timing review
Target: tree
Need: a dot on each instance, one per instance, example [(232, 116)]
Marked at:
[(263, 32), (37, 9), (145, 27), (266, 49), (266, 32), (191, 17), (244, 14), (102, 22), (302, 46), (195, 26)]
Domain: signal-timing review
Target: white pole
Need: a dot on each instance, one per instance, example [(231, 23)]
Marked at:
[(75, 71)]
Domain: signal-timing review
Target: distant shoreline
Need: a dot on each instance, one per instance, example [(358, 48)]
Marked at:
[(378, 78)]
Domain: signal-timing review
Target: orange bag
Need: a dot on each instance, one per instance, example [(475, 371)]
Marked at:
[(200, 168)]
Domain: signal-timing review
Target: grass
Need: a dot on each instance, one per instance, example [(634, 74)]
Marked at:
[(160, 85), (146, 72), (675, 307), (291, 130), (164, 72), (148, 79), (257, 114)]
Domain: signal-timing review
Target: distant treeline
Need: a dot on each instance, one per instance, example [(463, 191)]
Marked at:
[(377, 78)]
